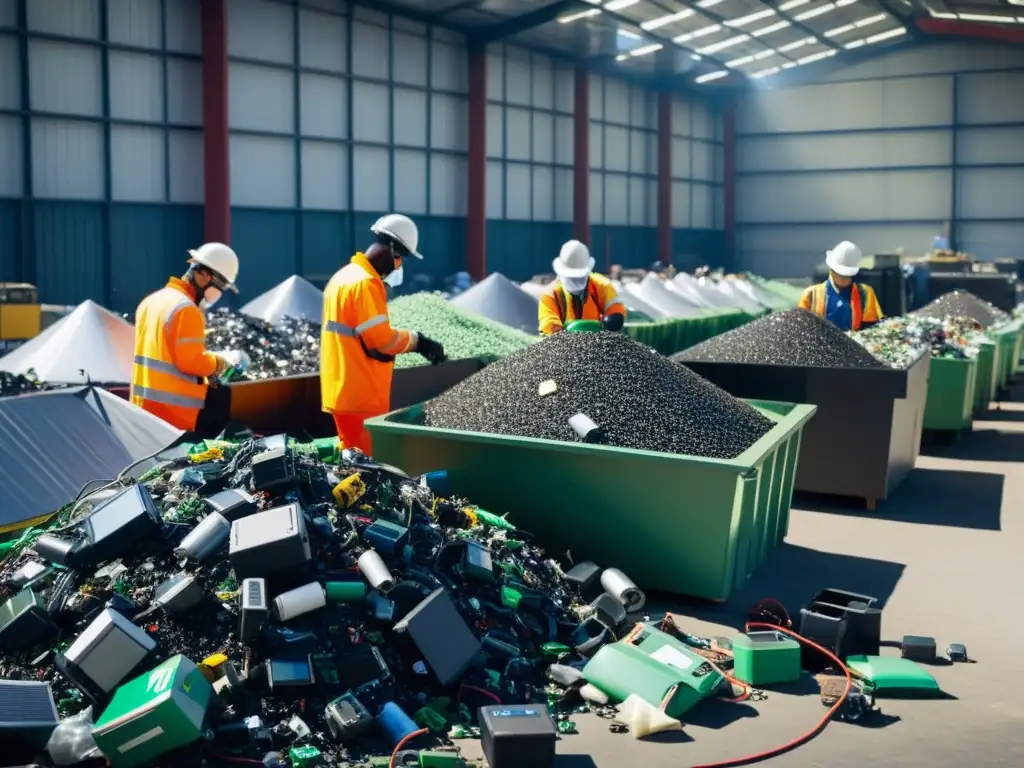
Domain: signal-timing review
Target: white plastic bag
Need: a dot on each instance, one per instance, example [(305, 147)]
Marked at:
[(644, 719), (71, 741)]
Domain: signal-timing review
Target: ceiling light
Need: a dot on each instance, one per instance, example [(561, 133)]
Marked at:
[(816, 12), (856, 44), (793, 4), (766, 72), (790, 65), (721, 45), (618, 5), (644, 50), (750, 18), (581, 15), (709, 3), (711, 76), (769, 29), (739, 62), (844, 3), (631, 35), (815, 57), (986, 18), (622, 57), (699, 33), (663, 20), (696, 56), (938, 15), (887, 35), (798, 44), (839, 30)]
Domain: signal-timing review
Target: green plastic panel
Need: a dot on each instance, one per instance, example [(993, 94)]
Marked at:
[(680, 524), (675, 335), (1007, 339), (619, 670), (987, 353), (951, 385), (894, 676)]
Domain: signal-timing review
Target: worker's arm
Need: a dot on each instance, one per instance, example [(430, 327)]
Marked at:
[(548, 319), (612, 308), (375, 326), (186, 336), (807, 299), (872, 310)]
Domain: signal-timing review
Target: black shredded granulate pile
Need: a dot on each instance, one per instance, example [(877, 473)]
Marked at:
[(792, 337), (19, 384), (963, 304), (289, 348), (638, 398)]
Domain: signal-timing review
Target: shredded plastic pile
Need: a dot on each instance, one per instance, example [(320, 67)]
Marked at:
[(899, 341), (289, 348), (636, 398), (379, 547), (794, 337), (463, 334), (964, 304), (501, 300)]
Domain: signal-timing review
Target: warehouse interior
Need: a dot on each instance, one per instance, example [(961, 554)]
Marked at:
[(710, 154)]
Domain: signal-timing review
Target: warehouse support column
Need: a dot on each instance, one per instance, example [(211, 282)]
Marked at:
[(217, 180), (581, 156), (476, 207), (729, 179), (665, 177)]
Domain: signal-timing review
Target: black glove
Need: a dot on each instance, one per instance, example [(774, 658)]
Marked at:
[(613, 322), (431, 350)]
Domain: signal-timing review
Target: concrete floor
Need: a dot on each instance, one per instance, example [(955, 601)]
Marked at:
[(946, 555)]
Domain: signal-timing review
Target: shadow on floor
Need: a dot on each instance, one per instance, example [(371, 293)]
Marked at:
[(716, 714), (930, 497), (574, 761), (1004, 414), (982, 444), (792, 575)]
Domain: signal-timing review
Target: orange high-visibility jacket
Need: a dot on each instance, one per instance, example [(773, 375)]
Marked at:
[(556, 306), (863, 303), (357, 343), (171, 361)]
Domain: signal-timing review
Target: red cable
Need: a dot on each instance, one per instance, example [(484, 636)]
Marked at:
[(811, 733), (405, 740), (481, 691)]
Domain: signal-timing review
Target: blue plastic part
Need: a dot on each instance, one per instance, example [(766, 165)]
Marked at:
[(385, 537), (438, 483), (395, 723)]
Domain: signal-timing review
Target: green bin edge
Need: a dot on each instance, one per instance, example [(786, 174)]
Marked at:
[(983, 384), (951, 386), (681, 524)]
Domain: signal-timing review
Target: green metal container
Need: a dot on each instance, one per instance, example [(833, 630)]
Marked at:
[(951, 385), (987, 353), (153, 714), (680, 524), (583, 326), (1006, 338)]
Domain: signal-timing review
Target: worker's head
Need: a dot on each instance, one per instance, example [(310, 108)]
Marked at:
[(213, 269), (573, 266), (843, 263), (395, 238)]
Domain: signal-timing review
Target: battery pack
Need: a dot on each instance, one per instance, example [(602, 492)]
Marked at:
[(620, 669), (766, 658), (232, 504), (23, 621), (109, 650), (586, 578), (517, 736), (154, 714), (442, 636), (918, 648), (269, 542), (347, 718), (114, 527), (273, 469)]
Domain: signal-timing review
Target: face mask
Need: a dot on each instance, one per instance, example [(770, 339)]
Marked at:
[(395, 278), (575, 285), (210, 297)]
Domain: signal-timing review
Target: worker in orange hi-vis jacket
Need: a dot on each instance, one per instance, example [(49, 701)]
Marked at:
[(358, 346), (170, 377), (579, 293)]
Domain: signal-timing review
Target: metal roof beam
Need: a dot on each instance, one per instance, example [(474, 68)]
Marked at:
[(787, 16), (537, 18), (716, 18)]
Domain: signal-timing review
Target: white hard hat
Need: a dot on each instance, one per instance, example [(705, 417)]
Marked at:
[(574, 260), (401, 229), (844, 259), (219, 259)]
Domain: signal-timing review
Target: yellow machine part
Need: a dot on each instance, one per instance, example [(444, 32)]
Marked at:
[(21, 315)]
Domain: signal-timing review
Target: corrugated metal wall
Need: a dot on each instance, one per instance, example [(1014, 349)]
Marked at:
[(529, 160), (338, 116), (101, 168), (883, 153)]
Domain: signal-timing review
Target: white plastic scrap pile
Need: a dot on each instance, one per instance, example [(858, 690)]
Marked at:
[(260, 600)]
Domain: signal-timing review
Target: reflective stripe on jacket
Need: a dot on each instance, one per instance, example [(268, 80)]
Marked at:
[(357, 342), (863, 303), (171, 361), (557, 307)]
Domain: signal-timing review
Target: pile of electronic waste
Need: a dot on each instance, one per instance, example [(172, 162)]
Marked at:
[(256, 599)]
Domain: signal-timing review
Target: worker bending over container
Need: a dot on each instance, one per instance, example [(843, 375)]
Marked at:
[(579, 294), (847, 304), (358, 346), (170, 378)]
